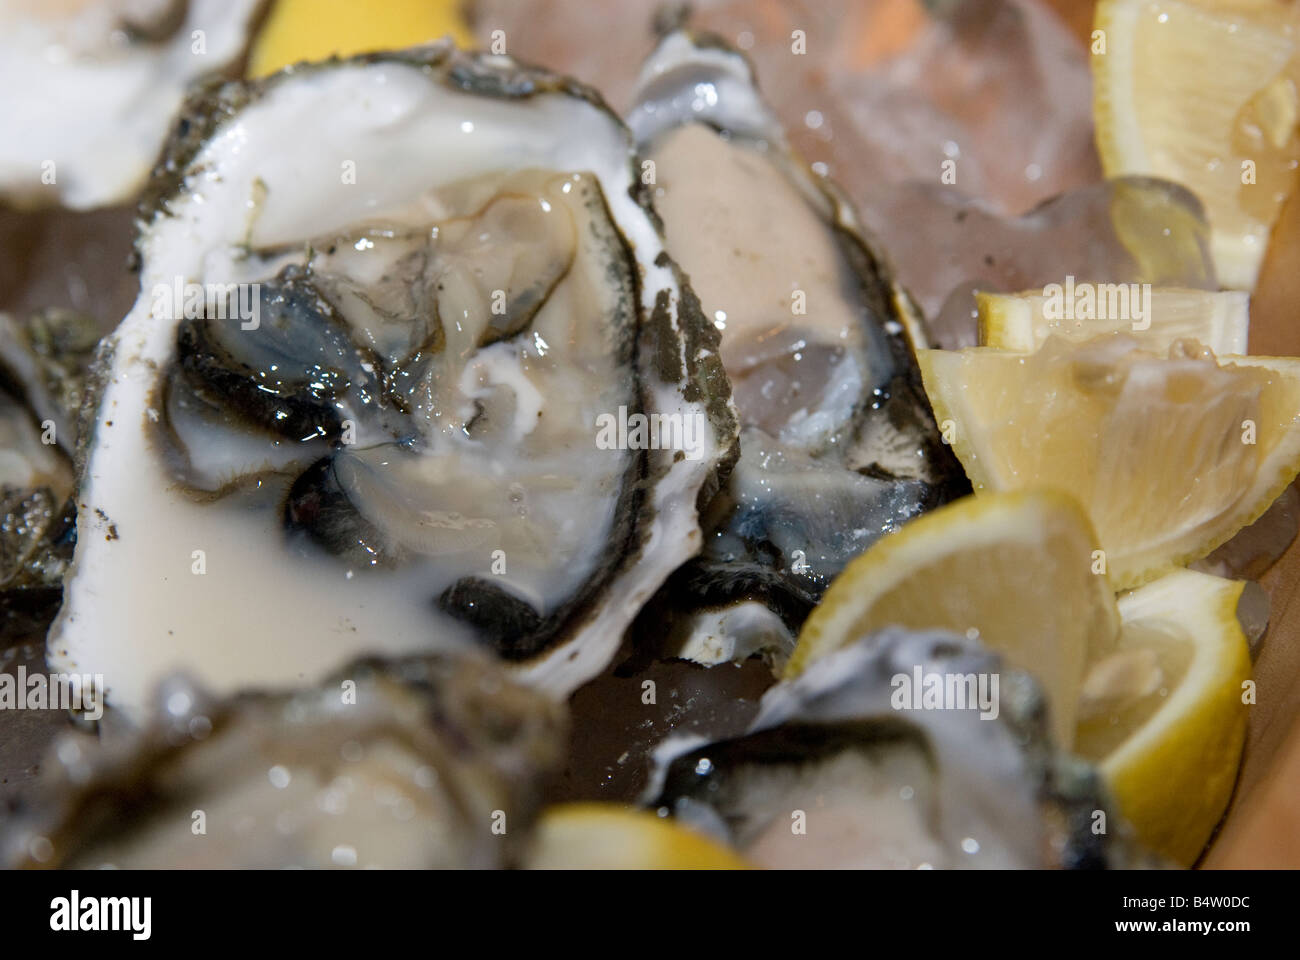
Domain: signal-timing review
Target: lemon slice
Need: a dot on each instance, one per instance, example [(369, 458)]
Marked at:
[(1203, 93), (297, 30), (1163, 716), (1023, 321), (1015, 570), (1170, 456), (605, 836)]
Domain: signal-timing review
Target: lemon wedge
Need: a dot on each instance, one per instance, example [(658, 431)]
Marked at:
[(1015, 570), (1169, 455), (1023, 321), (1204, 93), (606, 836), (297, 30), (1163, 716)]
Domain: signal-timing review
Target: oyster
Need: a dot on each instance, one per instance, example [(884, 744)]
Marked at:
[(838, 443), (100, 85), (427, 762), (430, 383), (36, 522), (47, 361), (841, 769), (43, 369)]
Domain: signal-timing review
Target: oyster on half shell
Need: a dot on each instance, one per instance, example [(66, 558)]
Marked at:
[(845, 767), (403, 322), (838, 444), (427, 762)]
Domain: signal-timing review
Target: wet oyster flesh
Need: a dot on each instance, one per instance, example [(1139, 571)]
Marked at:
[(838, 443), (361, 403), (838, 771), (422, 763)]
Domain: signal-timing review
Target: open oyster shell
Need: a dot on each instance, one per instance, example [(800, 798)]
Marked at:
[(838, 442), (425, 762), (845, 767), (427, 382), (100, 84)]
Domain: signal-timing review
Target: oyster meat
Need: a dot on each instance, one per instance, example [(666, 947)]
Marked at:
[(839, 769), (409, 371), (838, 442), (421, 763)]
